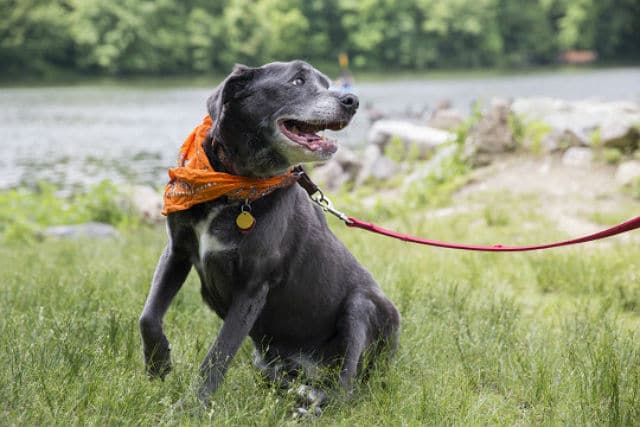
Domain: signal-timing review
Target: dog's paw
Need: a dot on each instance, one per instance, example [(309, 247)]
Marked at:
[(158, 360), (309, 401), (301, 413), (159, 369), (309, 396)]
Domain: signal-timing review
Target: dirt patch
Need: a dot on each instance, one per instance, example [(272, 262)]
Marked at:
[(568, 194)]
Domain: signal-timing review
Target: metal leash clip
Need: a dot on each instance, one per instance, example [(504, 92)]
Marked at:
[(321, 200)]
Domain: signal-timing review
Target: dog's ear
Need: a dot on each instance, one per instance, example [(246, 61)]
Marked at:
[(232, 87)]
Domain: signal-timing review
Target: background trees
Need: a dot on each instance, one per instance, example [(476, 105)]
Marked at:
[(122, 37)]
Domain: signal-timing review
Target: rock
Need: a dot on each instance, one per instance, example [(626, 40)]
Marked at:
[(491, 135), (628, 172), (384, 168), (447, 119), (145, 201), (375, 165), (424, 137), (616, 121), (370, 156), (330, 175), (342, 168), (90, 230), (618, 134), (350, 162), (560, 140), (578, 157)]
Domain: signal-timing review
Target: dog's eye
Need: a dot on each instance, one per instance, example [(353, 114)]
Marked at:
[(298, 81)]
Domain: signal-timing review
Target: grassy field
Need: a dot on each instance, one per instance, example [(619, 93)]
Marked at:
[(548, 338)]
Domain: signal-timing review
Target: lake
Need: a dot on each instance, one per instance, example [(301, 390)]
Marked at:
[(78, 135)]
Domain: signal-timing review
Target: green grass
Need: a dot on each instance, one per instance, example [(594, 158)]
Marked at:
[(545, 338)]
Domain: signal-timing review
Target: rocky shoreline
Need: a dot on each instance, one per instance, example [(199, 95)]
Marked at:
[(580, 132)]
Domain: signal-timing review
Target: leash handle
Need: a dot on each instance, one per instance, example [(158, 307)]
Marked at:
[(629, 225)]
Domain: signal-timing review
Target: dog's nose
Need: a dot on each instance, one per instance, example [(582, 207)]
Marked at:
[(350, 102)]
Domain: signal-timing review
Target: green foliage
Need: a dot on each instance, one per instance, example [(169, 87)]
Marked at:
[(612, 155), (122, 37), (34, 35), (395, 149), (596, 138), (437, 187), (24, 212), (529, 135)]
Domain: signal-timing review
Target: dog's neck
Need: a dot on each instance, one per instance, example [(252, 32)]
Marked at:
[(224, 157)]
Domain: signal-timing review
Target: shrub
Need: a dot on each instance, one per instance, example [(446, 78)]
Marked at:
[(24, 212)]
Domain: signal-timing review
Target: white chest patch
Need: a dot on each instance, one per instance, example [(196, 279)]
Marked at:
[(207, 242)]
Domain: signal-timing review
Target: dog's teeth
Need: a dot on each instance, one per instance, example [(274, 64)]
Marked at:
[(294, 129)]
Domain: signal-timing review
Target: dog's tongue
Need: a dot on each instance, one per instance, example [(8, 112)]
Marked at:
[(307, 132)]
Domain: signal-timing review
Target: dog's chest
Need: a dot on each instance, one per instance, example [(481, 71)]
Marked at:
[(211, 241)]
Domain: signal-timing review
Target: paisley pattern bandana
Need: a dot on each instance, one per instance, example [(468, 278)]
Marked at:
[(195, 181)]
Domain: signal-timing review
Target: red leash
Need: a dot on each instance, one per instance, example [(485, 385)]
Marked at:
[(318, 197), (632, 224)]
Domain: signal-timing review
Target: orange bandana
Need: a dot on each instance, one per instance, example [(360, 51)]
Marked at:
[(195, 181)]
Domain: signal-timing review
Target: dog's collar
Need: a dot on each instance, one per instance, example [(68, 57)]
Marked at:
[(195, 180)]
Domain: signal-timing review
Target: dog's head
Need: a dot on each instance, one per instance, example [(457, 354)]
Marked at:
[(268, 118)]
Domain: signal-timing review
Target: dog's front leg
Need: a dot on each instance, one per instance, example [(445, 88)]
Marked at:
[(245, 307), (170, 274)]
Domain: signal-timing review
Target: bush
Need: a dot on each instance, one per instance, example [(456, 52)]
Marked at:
[(24, 212), (612, 155)]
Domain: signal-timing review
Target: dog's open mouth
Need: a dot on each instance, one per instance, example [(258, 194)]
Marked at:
[(306, 133)]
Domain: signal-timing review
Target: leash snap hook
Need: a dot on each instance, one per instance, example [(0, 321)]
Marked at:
[(321, 200)]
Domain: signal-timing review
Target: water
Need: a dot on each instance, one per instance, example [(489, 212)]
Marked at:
[(79, 135)]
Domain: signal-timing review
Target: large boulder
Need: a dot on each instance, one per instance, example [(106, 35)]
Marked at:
[(616, 122), (491, 135), (426, 139)]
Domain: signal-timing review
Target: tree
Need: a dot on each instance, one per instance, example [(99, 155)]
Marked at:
[(526, 33), (261, 30), (34, 36)]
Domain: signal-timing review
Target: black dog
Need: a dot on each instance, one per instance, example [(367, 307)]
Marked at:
[(289, 284)]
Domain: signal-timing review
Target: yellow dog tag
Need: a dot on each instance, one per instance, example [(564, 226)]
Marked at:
[(245, 222)]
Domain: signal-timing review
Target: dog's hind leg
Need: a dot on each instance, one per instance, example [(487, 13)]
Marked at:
[(369, 324), (355, 329), (170, 274)]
